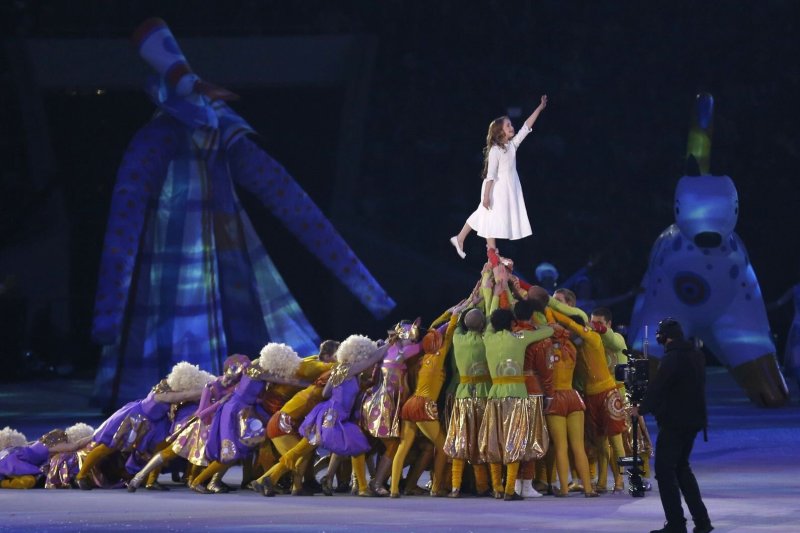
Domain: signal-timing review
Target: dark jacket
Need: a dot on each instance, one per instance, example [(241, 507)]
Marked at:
[(676, 395)]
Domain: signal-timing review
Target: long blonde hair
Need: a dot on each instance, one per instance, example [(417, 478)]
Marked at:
[(494, 137)]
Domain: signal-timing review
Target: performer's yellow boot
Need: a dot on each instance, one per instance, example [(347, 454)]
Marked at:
[(511, 480), (288, 461), (359, 463), (496, 471), (408, 433), (199, 481), (100, 452), (18, 482), (575, 425), (599, 470), (433, 431), (458, 475), (481, 478)]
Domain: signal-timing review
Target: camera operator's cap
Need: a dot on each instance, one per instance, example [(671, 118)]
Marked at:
[(670, 328)]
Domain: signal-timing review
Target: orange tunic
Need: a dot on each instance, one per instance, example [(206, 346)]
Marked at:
[(430, 379), (593, 355), (537, 367)]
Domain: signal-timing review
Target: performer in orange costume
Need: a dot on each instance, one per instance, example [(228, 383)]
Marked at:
[(606, 411), (420, 411)]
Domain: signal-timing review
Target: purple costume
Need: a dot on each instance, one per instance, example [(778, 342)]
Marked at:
[(328, 425), (240, 424), (23, 460), (136, 427)]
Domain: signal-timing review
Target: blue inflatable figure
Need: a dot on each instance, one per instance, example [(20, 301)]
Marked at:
[(183, 274), (700, 273)]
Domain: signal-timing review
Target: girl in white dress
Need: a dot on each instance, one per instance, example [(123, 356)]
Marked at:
[(501, 213)]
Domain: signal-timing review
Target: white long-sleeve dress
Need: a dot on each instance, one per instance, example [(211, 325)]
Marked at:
[(507, 218)]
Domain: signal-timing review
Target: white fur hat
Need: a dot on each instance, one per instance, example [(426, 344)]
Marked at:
[(78, 431), (280, 359), (355, 348), (186, 376), (11, 437)]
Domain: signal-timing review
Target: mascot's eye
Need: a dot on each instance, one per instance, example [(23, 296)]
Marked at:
[(677, 210), (736, 211)]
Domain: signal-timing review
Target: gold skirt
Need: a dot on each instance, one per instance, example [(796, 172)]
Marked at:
[(462, 429), (191, 443), (644, 445), (513, 430)]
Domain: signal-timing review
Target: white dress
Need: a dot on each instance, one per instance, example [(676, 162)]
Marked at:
[(507, 218)]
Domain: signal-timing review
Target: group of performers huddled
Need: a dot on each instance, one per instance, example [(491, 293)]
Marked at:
[(515, 382)]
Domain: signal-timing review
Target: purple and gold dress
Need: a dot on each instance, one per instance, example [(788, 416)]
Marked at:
[(240, 424), (23, 460), (380, 410), (329, 426), (64, 466), (136, 426)]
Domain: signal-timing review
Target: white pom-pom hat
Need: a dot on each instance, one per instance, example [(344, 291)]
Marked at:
[(281, 359), (186, 376), (10, 437), (355, 348), (78, 431)]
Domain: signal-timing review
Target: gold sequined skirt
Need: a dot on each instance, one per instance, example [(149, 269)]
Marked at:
[(513, 430), (191, 441), (645, 445), (463, 428)]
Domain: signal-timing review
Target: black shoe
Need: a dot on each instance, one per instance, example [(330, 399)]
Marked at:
[(703, 527), (592, 494), (542, 488), (200, 489), (218, 487), (269, 487), (265, 489), (312, 486), (455, 493), (378, 490), (513, 497), (156, 486), (671, 528), (257, 487), (83, 483), (344, 488), (327, 490)]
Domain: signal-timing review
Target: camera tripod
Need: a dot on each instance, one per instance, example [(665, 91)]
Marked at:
[(635, 484)]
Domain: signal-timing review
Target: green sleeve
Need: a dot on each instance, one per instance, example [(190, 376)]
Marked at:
[(613, 341), (568, 310), (538, 334)]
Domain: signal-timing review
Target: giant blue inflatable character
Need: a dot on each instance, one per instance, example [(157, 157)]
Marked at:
[(183, 275), (700, 274)]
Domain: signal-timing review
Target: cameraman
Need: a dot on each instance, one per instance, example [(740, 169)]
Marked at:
[(676, 396)]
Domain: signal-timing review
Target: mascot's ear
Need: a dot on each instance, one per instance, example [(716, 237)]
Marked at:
[(418, 321)]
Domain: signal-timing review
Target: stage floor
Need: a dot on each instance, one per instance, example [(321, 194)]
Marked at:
[(748, 474)]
